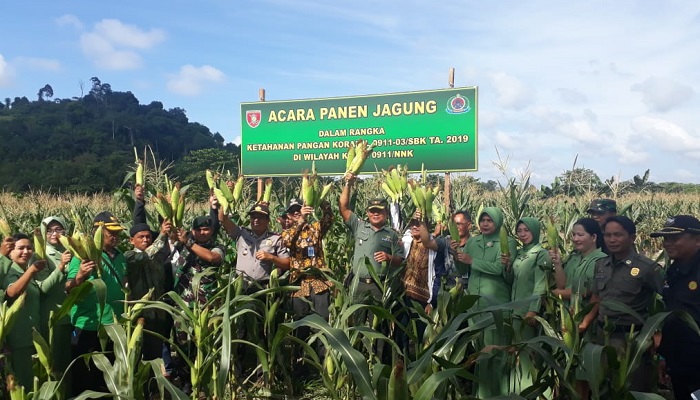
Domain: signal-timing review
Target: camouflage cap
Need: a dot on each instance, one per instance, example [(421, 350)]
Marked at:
[(602, 206)]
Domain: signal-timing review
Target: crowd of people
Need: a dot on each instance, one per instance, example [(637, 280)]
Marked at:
[(604, 268)]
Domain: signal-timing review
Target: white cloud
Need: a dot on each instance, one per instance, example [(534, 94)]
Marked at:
[(666, 135), (7, 73), (663, 94), (237, 140), (511, 92), (114, 45), (44, 64), (120, 34), (684, 174), (70, 20), (191, 80)]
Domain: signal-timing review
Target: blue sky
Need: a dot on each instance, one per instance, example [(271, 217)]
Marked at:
[(614, 82)]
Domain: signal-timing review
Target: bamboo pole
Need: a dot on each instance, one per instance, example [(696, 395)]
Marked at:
[(451, 83)]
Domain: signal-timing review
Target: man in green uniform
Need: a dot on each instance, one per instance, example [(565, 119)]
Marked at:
[(375, 241), (88, 315), (145, 268), (627, 277)]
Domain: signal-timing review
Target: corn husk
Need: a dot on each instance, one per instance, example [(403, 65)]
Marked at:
[(503, 239), (360, 150)]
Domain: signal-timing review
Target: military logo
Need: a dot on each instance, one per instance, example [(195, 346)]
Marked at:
[(268, 242), (253, 117), (692, 285), (634, 271), (669, 222), (457, 105)]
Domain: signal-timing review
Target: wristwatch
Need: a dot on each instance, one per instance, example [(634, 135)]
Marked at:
[(189, 243)]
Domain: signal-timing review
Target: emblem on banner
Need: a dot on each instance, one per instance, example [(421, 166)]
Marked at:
[(457, 105), (253, 117)]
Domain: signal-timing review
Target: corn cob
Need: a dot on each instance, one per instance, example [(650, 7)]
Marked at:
[(362, 150), (211, 181), (567, 325), (238, 188), (454, 232), (392, 184), (312, 194), (503, 239), (39, 244), (5, 229), (350, 157), (136, 335), (552, 234), (398, 387), (423, 196), (86, 247), (268, 190)]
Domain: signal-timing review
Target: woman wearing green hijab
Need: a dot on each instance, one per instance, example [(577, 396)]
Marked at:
[(57, 258), (530, 280), (491, 279), (529, 277)]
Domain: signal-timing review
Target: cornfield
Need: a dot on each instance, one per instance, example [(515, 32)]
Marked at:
[(230, 326)]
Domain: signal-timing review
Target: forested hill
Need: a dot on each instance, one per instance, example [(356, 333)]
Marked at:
[(86, 144)]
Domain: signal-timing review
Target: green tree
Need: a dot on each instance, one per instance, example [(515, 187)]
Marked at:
[(191, 170)]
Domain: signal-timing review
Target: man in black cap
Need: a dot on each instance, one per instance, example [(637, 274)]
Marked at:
[(145, 268), (680, 345), (258, 249), (600, 210), (201, 252), (88, 315)]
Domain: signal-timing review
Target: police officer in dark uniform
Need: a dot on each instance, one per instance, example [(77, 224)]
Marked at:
[(600, 210), (627, 277), (680, 345)]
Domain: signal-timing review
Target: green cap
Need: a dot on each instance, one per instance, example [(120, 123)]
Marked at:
[(379, 203)]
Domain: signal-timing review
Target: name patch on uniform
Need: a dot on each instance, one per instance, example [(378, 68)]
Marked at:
[(692, 285), (386, 239), (634, 271)]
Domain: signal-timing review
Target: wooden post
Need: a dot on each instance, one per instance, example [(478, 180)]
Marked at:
[(451, 83), (261, 96), (447, 194)]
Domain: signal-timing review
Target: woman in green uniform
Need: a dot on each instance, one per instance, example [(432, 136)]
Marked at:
[(21, 278), (57, 258), (530, 280), (574, 276), (491, 279)]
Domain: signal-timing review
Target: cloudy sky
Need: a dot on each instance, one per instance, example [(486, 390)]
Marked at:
[(612, 82)]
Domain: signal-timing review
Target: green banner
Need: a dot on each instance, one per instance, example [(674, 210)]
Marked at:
[(436, 128)]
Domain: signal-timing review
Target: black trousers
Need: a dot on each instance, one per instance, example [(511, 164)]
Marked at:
[(684, 384), (87, 377)]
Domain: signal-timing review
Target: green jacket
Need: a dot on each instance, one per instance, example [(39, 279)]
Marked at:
[(488, 277), (530, 278), (146, 270), (54, 297), (29, 315)]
